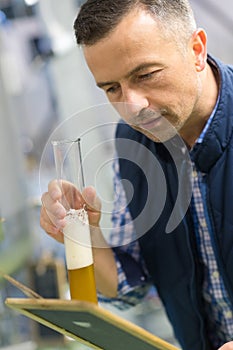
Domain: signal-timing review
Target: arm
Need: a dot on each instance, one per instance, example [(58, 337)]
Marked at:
[(53, 221)]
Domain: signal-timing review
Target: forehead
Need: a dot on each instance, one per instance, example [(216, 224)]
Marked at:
[(137, 38)]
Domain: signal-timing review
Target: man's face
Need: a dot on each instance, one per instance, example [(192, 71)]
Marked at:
[(154, 85)]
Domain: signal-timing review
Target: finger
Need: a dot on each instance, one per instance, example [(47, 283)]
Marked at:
[(54, 209), (91, 199), (54, 189), (49, 227), (66, 193), (93, 206)]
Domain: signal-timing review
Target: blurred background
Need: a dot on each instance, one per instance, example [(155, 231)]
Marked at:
[(44, 81)]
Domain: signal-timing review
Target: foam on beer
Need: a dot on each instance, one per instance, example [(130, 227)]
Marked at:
[(77, 239)]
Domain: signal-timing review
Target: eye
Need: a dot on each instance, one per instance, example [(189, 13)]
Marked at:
[(146, 76), (112, 89)]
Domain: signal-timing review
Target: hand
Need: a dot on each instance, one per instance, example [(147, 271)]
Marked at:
[(227, 346), (55, 201)]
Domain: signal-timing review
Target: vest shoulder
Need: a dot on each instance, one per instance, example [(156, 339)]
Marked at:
[(126, 131)]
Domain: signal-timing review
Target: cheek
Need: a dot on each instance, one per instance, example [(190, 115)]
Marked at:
[(187, 92), (120, 108), (190, 84)]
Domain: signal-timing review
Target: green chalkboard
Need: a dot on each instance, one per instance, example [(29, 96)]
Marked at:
[(90, 324)]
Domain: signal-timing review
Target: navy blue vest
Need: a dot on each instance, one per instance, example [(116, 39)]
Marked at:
[(159, 176)]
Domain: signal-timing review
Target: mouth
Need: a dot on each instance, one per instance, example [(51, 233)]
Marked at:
[(151, 123)]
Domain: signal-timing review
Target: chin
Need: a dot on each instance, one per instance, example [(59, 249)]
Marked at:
[(156, 135)]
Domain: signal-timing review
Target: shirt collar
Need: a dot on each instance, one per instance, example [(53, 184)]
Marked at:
[(202, 135)]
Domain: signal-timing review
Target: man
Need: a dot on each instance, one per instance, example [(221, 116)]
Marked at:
[(151, 61)]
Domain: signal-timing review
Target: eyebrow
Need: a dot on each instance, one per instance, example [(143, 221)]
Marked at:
[(135, 70)]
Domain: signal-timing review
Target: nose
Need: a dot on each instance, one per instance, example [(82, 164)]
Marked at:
[(133, 101)]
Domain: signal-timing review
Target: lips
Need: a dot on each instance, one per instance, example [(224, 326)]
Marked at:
[(151, 124)]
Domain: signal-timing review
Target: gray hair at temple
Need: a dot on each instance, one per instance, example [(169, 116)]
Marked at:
[(98, 18)]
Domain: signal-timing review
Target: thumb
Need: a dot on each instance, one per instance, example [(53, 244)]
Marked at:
[(93, 205), (91, 199)]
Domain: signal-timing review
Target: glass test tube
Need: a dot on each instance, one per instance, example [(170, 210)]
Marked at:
[(77, 240)]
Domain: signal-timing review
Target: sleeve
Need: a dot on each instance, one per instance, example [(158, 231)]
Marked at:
[(133, 279)]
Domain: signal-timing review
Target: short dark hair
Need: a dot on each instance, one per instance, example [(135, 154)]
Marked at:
[(98, 18)]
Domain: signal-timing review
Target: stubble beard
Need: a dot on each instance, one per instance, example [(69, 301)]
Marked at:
[(168, 126)]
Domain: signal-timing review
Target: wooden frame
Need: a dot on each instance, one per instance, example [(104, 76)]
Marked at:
[(89, 324)]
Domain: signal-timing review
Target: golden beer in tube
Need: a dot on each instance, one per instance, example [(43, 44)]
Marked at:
[(79, 258), (82, 284)]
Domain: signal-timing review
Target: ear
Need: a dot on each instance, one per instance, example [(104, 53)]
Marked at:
[(199, 49)]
